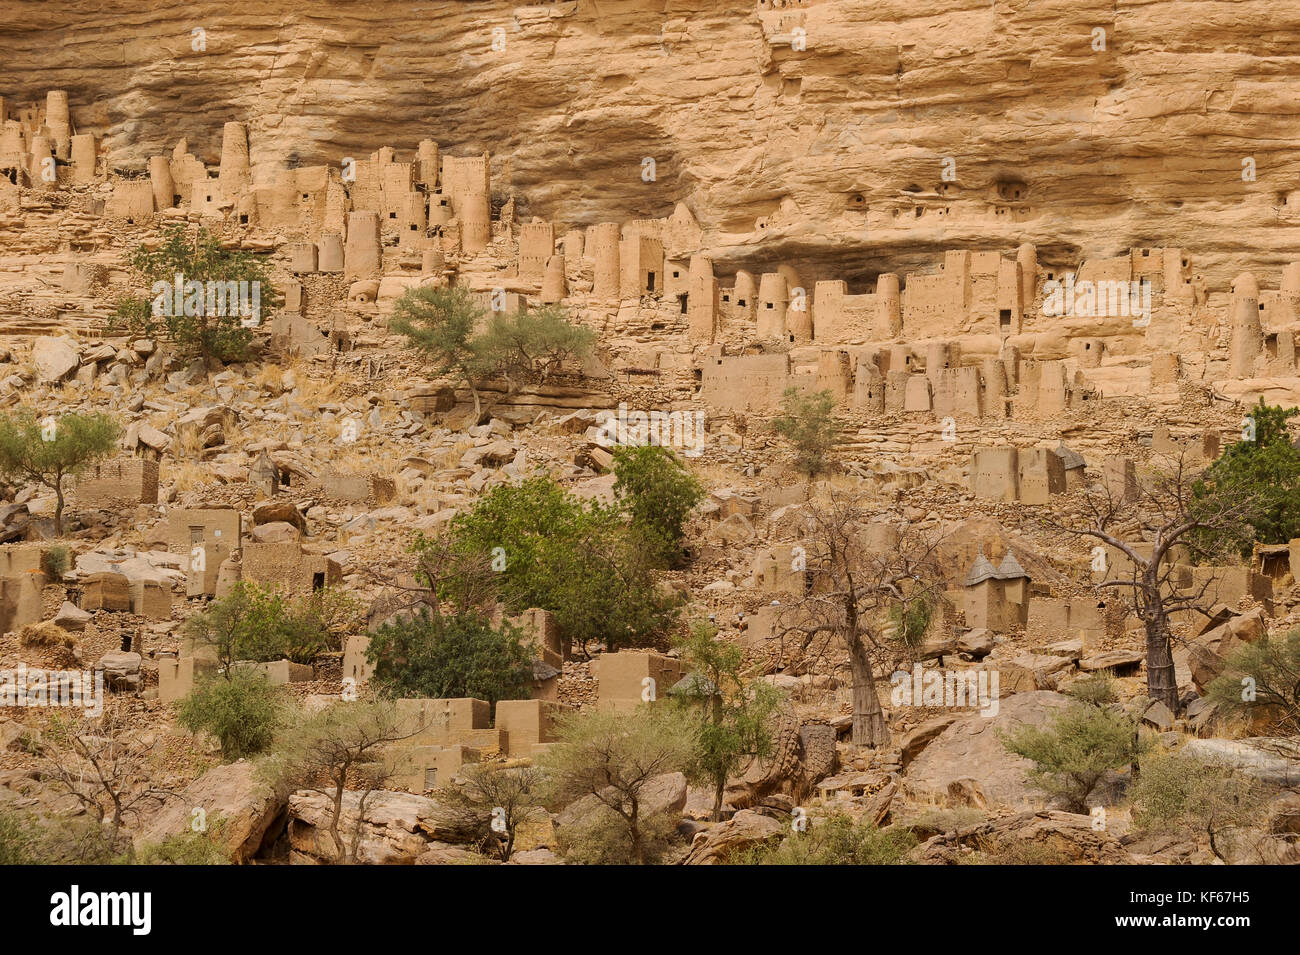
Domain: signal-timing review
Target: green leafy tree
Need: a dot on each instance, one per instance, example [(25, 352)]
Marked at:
[(47, 450), (734, 713), (443, 323), (464, 339), (1080, 745), (263, 625), (209, 326), (614, 758), (1263, 467), (243, 711), (580, 561), (450, 656), (808, 423), (835, 839), (1176, 793), (1263, 679), (658, 493), (533, 344)]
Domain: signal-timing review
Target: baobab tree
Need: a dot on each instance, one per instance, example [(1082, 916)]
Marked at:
[(874, 602), (1146, 523)]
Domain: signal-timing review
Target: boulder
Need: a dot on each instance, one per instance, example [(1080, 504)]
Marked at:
[(121, 670), (232, 794), (153, 438), (747, 828), (1207, 654), (540, 856), (1158, 716), (275, 532), (279, 511), (1269, 759), (1061, 837), (55, 359), (735, 529), (440, 853), (817, 752), (1027, 672), (1117, 660), (978, 643), (72, 617), (921, 737), (396, 828), (971, 748)]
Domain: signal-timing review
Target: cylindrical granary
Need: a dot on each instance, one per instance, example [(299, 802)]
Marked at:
[(773, 300), (160, 177), (329, 256)]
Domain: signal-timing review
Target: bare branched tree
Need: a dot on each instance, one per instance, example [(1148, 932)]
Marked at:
[(1162, 514), (442, 574), (101, 763), (333, 748), (509, 794), (876, 603)]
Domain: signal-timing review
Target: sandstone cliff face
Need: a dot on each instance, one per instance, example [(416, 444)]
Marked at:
[(830, 158)]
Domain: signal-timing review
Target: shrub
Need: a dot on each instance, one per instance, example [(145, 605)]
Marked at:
[(449, 657), (26, 839), (1097, 689), (47, 451), (17, 841), (808, 423), (462, 338), (733, 713), (603, 838), (55, 562), (835, 840), (214, 332), (1261, 678), (187, 848), (658, 494), (509, 794), (261, 625), (1179, 794), (1080, 745), (614, 757), (335, 750), (577, 560), (242, 711), (1266, 471)]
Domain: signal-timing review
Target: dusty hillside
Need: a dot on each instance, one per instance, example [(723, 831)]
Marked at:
[(972, 328)]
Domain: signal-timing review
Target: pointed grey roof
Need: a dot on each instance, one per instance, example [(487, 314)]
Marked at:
[(981, 570), (543, 670), (1070, 458), (693, 684), (1010, 568)]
